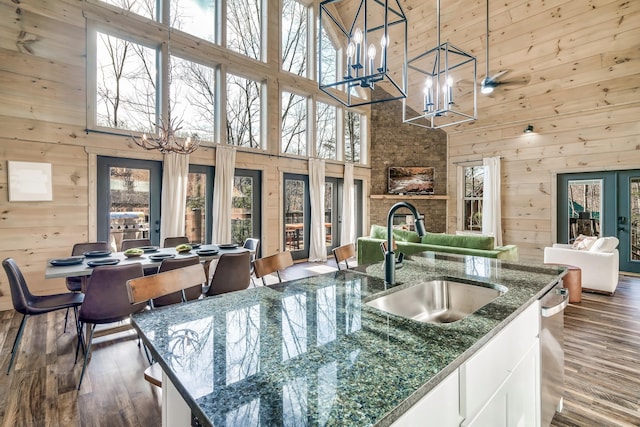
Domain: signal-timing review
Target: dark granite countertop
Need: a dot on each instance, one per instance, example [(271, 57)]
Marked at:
[(310, 352)]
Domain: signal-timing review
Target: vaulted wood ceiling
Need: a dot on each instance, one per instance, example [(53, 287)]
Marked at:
[(559, 53)]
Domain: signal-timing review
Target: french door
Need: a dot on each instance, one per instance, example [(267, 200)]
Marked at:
[(128, 200), (602, 204), (297, 208)]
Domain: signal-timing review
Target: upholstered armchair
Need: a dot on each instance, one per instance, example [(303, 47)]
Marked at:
[(599, 263)]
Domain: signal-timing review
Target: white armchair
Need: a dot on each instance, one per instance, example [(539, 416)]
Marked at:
[(599, 268)]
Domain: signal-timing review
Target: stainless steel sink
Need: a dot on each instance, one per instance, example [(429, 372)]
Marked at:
[(438, 301)]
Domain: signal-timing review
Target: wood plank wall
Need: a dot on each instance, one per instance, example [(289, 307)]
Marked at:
[(42, 119), (582, 64), (581, 61)]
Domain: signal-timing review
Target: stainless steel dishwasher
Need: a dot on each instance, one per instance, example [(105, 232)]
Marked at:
[(552, 305)]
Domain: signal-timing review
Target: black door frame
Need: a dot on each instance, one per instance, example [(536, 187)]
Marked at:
[(104, 163)]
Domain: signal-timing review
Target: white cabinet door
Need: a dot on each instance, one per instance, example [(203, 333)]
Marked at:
[(514, 403), (439, 408)]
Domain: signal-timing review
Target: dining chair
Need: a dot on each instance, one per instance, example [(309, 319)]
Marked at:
[(106, 300), (172, 242), (272, 264), (162, 285), (343, 253), (74, 284), (253, 245), (27, 304), (231, 274), (184, 293), (134, 243)]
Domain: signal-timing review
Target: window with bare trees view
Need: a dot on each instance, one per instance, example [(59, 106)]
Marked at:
[(141, 80)]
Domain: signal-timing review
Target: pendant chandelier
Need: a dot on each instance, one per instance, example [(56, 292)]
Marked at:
[(166, 141), (441, 86), (374, 37)]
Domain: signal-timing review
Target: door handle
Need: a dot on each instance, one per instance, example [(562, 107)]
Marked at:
[(550, 311)]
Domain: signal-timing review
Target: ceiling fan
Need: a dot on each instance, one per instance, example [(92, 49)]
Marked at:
[(490, 82)]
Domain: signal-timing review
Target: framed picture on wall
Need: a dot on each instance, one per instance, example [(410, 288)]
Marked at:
[(29, 181)]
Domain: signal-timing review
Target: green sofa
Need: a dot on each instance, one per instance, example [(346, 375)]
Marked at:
[(410, 243)]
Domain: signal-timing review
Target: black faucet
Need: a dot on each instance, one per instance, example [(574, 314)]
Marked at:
[(389, 256)]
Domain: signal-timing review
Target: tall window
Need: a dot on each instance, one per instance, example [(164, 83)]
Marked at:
[(199, 201), (142, 8), (473, 185), (294, 37), (125, 84), (196, 17), (244, 27), (325, 131), (328, 59), (294, 124), (243, 112), (193, 98), (352, 136)]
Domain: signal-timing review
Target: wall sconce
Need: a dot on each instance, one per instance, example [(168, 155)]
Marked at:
[(528, 129)]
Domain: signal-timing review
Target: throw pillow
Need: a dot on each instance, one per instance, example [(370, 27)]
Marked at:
[(583, 243), (605, 244)]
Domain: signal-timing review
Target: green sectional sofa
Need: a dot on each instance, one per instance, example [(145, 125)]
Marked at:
[(410, 243)]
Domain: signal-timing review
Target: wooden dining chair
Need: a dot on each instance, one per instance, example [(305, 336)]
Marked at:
[(186, 294), (27, 304), (343, 253), (272, 264), (172, 242), (162, 285), (134, 243), (150, 288)]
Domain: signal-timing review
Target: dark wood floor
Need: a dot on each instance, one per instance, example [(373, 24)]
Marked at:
[(602, 369)]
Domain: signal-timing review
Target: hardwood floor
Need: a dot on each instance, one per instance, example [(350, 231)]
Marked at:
[(602, 345)]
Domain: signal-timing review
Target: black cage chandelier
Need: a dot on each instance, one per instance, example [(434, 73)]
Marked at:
[(441, 86), (375, 35)]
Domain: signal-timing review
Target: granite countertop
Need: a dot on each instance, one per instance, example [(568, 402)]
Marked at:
[(310, 351)]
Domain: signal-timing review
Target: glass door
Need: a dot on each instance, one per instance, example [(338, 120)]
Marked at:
[(628, 220), (602, 204), (245, 211), (297, 218), (128, 200), (332, 209), (199, 202)]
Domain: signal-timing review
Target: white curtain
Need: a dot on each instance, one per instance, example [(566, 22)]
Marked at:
[(348, 226), (175, 170), (491, 199), (222, 194), (317, 246)]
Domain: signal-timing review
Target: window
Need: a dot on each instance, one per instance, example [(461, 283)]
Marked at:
[(243, 112), (244, 27), (142, 8), (473, 190), (294, 37), (325, 131), (193, 98), (125, 84), (352, 136), (196, 17), (294, 124), (328, 59)]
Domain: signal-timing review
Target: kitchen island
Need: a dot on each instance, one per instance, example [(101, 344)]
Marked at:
[(311, 352)]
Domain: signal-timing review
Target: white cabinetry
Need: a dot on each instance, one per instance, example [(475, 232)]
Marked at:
[(499, 384), (497, 387), (440, 407)]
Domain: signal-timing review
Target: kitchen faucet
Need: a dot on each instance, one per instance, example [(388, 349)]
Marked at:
[(389, 256)]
